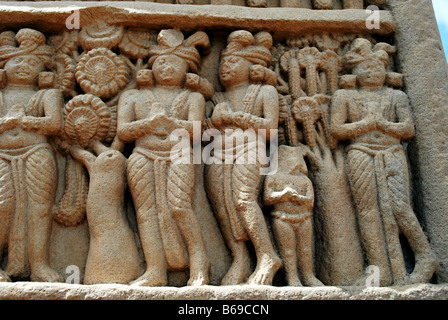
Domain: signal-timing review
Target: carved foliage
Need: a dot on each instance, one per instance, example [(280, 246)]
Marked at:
[(94, 66)]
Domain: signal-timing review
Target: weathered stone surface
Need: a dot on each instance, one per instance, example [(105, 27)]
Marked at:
[(48, 16), (134, 150), (55, 291), (421, 59)]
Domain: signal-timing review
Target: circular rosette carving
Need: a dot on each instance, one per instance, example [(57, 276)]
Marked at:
[(87, 118), (100, 35), (136, 42), (102, 73), (306, 111)]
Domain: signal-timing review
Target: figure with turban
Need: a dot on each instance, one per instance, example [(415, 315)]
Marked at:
[(373, 120), (28, 174), (246, 112), (162, 190)]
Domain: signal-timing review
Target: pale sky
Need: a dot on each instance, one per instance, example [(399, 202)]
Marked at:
[(441, 10)]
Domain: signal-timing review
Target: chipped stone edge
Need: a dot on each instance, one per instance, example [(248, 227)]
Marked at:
[(281, 21), (62, 291)]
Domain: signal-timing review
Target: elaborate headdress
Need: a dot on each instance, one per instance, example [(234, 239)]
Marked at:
[(255, 49), (30, 42), (362, 50), (172, 41)]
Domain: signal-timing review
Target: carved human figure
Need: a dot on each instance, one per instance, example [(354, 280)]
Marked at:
[(162, 191), (233, 186), (373, 120), (27, 165), (291, 194)]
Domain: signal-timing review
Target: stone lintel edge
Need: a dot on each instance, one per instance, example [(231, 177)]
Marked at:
[(62, 291), (50, 16)]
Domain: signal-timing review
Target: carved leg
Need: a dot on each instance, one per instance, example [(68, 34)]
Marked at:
[(180, 188), (6, 209), (304, 236), (363, 186), (140, 174), (239, 271), (296, 3), (380, 3), (286, 243), (221, 2), (40, 179), (398, 186), (323, 4), (256, 3), (353, 4), (245, 185)]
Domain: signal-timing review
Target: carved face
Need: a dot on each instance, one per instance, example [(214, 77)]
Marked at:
[(23, 69), (370, 73), (233, 70), (169, 70)]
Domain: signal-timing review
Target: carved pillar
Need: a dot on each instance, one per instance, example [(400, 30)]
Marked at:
[(421, 59)]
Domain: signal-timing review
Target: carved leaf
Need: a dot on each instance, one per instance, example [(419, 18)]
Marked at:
[(136, 42), (66, 43), (65, 70), (100, 35), (71, 209)]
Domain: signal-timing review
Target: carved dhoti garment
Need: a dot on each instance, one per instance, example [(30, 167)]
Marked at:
[(238, 172), (241, 158), (27, 177), (379, 179), (161, 187), (294, 219)]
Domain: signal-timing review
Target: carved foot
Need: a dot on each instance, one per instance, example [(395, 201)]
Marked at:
[(257, 3), (312, 281), (4, 277), (200, 279), (45, 273), (323, 4), (425, 267), (365, 280), (150, 279), (294, 282), (266, 270), (401, 280), (238, 272)]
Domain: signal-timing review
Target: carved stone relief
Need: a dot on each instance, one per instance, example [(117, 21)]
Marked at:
[(374, 119), (29, 117), (234, 188), (162, 191), (305, 182), (309, 4)]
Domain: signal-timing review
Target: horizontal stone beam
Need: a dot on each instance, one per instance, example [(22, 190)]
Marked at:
[(62, 291), (51, 16)]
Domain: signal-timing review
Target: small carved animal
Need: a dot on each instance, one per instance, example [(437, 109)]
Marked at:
[(113, 255)]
